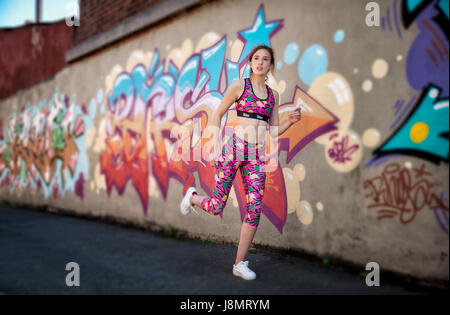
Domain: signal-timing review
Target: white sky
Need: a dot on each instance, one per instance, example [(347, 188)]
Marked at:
[(14, 12)]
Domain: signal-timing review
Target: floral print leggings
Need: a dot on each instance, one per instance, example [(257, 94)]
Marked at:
[(238, 154)]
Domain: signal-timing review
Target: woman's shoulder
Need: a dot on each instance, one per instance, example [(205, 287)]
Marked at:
[(240, 83), (274, 92), (239, 87)]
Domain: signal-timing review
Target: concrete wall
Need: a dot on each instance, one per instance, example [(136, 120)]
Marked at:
[(363, 177)]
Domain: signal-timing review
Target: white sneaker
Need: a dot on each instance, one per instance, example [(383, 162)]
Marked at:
[(242, 270), (186, 206)]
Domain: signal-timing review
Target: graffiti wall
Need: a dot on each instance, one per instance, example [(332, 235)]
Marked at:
[(363, 176)]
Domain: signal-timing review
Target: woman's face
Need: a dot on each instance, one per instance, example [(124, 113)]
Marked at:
[(260, 62)]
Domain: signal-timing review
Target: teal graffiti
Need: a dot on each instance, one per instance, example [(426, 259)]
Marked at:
[(259, 33), (339, 36), (425, 132), (313, 63), (291, 53)]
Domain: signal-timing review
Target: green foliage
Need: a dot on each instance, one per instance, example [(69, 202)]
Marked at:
[(207, 240), (4, 203), (173, 231)]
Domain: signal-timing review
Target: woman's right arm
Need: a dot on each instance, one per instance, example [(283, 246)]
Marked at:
[(215, 123), (228, 100)]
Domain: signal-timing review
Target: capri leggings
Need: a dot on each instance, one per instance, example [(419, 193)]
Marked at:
[(238, 154)]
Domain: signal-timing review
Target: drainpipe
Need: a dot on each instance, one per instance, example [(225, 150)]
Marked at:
[(38, 11)]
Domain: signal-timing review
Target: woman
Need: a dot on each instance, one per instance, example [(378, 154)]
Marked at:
[(257, 109)]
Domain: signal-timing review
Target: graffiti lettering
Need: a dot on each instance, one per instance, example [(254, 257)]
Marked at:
[(180, 102), (42, 146), (341, 152), (398, 192)]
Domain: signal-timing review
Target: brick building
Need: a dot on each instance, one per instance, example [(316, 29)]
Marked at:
[(32, 53), (100, 16), (35, 52), (103, 23)]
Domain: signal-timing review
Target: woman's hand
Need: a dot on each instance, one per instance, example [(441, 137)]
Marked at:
[(215, 159), (295, 116)]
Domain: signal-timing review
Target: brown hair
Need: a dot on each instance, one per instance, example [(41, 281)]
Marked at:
[(263, 46)]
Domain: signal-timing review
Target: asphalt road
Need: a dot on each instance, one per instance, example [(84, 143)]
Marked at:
[(35, 248)]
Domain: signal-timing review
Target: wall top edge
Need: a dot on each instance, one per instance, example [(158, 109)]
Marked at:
[(131, 25)]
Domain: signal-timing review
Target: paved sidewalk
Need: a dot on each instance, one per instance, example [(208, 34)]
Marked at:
[(36, 246)]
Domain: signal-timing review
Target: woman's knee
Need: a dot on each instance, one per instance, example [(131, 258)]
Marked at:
[(215, 206), (252, 218), (253, 213)]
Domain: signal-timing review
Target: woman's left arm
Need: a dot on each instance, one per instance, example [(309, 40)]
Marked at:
[(294, 116)]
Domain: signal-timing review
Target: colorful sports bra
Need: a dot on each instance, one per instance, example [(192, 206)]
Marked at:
[(249, 105)]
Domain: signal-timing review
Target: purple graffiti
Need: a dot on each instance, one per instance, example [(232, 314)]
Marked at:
[(428, 57), (341, 152)]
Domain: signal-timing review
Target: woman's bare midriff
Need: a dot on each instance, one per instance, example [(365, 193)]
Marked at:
[(250, 129)]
